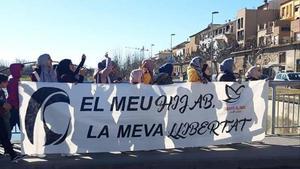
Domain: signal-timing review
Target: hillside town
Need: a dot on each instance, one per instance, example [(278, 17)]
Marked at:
[(268, 36)]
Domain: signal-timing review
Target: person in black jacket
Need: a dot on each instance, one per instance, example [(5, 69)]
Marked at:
[(226, 68), (4, 109), (165, 75), (67, 73)]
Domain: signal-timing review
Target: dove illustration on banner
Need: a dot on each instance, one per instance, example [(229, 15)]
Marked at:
[(233, 94)]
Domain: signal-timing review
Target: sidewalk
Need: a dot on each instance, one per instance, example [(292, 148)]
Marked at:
[(274, 152)]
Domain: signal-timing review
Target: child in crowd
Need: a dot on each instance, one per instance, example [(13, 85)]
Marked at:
[(13, 94), (5, 108)]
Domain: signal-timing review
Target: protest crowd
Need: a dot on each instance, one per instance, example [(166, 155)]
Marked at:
[(66, 72)]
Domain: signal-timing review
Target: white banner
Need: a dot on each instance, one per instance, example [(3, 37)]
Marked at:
[(83, 118)]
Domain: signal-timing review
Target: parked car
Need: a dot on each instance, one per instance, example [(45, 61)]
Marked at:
[(290, 77)]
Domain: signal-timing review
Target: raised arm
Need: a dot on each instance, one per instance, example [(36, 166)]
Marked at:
[(105, 72), (80, 64)]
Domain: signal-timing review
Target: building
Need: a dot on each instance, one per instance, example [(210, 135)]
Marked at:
[(192, 45), (277, 30), (223, 36), (163, 54), (192, 48), (246, 25), (279, 58), (284, 29), (295, 23), (295, 30), (179, 50), (274, 4), (289, 10), (273, 33), (297, 9), (227, 32), (181, 61)]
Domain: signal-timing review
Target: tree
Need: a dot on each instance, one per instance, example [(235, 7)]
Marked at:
[(4, 67), (219, 49)]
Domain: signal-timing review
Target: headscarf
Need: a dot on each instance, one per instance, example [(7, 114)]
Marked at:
[(227, 65), (166, 68), (204, 67), (149, 64), (253, 73), (64, 68), (136, 76), (47, 73), (102, 64), (15, 70), (196, 64)]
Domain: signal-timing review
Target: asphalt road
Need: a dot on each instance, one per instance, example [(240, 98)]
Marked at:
[(272, 153)]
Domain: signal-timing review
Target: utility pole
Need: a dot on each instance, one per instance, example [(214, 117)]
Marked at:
[(173, 34), (212, 39), (151, 55)]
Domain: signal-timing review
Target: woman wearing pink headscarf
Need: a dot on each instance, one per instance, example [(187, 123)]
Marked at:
[(253, 74), (136, 76)]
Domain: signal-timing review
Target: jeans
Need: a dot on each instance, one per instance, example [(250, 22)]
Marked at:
[(5, 140), (14, 118)]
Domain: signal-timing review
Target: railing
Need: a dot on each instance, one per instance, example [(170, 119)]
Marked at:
[(285, 107)]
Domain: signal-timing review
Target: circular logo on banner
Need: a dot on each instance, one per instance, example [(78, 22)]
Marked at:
[(39, 102), (233, 95)]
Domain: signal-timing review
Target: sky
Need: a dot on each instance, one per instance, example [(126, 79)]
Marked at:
[(69, 28)]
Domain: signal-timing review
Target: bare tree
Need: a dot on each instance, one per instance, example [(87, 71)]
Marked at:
[(4, 67)]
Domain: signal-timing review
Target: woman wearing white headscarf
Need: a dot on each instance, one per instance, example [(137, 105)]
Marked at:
[(194, 71), (44, 71)]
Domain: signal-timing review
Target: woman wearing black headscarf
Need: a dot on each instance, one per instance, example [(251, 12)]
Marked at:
[(206, 72), (67, 73)]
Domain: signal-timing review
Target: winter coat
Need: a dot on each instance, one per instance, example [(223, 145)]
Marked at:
[(226, 68), (193, 75), (65, 75), (13, 83)]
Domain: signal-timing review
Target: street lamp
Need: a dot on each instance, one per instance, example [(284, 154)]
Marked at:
[(212, 38), (151, 50), (173, 34)]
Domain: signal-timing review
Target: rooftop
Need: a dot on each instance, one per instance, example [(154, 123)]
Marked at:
[(207, 28)]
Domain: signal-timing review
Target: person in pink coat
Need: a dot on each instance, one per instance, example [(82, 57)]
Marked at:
[(13, 93)]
